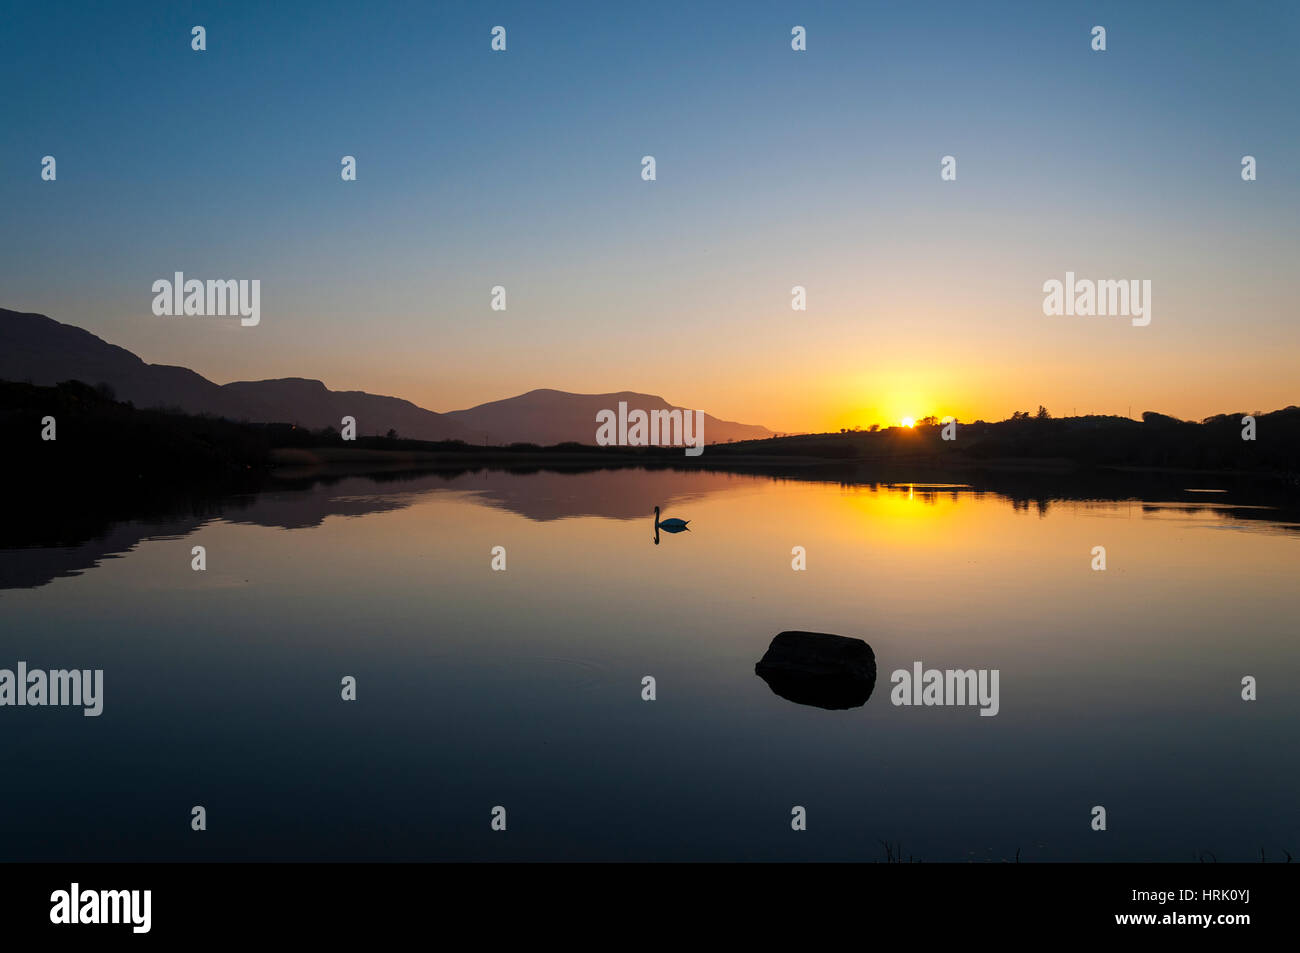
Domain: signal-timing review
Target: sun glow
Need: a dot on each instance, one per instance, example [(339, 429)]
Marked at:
[(909, 421)]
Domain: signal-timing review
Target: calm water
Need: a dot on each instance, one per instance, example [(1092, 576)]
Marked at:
[(523, 688)]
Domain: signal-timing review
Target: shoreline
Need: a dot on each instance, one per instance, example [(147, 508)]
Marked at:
[(302, 461)]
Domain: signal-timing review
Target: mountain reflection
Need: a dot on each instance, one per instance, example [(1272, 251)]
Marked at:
[(60, 537)]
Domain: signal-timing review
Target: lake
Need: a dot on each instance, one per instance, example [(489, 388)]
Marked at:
[(522, 688)]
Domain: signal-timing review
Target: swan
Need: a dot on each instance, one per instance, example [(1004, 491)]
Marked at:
[(670, 525)]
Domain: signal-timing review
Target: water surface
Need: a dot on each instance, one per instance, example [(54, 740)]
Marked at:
[(523, 688)]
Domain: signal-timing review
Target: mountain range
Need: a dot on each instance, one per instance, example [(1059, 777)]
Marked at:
[(40, 350)]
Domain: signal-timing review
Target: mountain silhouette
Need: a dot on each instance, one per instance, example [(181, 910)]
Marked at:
[(43, 351), (311, 404), (37, 349), (553, 416)]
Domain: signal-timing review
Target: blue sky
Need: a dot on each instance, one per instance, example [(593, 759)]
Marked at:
[(775, 168)]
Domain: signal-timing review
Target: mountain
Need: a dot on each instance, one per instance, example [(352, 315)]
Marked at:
[(311, 404), (553, 416), (43, 351)]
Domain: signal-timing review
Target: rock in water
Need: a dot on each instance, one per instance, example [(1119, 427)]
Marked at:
[(813, 668)]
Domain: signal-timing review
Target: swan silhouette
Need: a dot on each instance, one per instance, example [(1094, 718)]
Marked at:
[(670, 525)]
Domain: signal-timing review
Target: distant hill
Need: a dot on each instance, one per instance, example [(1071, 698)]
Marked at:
[(42, 351), (553, 416), (45, 352), (311, 404), (1156, 442)]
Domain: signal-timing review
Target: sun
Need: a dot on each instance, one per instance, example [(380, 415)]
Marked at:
[(909, 421)]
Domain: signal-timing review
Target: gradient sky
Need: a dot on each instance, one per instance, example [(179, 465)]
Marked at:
[(775, 168)]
